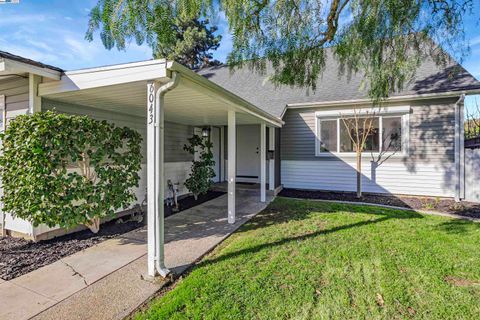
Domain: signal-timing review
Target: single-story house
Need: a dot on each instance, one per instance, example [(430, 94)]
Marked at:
[(280, 136)]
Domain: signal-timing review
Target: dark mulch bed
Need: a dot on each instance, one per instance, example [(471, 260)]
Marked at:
[(467, 209), (20, 256), (189, 201)]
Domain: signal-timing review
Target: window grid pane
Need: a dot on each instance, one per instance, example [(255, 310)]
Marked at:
[(328, 136), (392, 134), (372, 141)]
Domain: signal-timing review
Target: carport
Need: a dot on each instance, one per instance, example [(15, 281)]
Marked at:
[(160, 91)]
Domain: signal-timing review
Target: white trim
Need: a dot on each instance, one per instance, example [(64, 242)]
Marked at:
[(120, 66), (363, 111), (12, 66), (402, 112), (405, 98), (34, 101), (271, 162), (106, 76), (263, 168), (458, 144), (232, 146)]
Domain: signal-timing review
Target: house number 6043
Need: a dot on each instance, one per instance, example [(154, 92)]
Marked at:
[(151, 103)]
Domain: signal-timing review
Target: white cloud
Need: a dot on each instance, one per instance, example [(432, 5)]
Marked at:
[(475, 41)]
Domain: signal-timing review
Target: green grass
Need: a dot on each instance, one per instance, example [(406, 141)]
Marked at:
[(316, 260)]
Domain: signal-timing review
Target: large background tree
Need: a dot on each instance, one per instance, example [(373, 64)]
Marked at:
[(183, 38), (384, 39)]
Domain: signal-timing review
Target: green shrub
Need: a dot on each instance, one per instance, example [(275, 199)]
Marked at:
[(67, 170), (202, 172)]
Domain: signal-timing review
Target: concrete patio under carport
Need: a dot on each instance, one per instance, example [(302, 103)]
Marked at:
[(107, 281), (160, 91)]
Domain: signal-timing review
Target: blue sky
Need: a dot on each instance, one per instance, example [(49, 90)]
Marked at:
[(52, 31)]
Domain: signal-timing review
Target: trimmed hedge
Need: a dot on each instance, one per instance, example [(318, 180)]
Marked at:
[(66, 170)]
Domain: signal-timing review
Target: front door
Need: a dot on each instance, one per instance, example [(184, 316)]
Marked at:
[(248, 153)]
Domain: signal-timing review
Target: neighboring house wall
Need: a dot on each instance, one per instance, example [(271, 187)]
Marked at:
[(15, 90), (427, 168)]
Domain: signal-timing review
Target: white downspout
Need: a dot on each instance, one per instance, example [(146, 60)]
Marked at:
[(459, 147), (159, 174)]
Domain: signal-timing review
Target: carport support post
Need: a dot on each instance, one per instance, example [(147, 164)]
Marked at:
[(155, 176), (232, 141), (151, 113), (271, 162), (262, 162)]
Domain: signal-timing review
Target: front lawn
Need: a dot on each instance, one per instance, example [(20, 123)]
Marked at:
[(302, 259)]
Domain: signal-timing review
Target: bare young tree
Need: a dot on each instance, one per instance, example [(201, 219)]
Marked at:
[(360, 128)]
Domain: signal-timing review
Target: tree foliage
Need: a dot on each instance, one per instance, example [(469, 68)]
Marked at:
[(183, 38), (202, 172), (384, 39), (67, 170)]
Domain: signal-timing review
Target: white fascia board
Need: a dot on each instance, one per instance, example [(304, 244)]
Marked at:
[(363, 111), (105, 76), (225, 95), (405, 98), (11, 66)]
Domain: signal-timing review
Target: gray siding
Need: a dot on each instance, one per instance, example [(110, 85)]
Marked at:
[(176, 135), (432, 132), (15, 91), (426, 169)]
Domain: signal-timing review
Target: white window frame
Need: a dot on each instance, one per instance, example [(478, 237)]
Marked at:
[(387, 112)]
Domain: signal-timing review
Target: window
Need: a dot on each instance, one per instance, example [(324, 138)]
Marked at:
[(328, 132), (392, 133), (346, 144), (386, 135)]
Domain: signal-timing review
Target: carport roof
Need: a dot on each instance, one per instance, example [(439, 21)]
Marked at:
[(122, 88)]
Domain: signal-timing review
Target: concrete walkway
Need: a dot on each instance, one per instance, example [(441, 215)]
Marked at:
[(106, 281)]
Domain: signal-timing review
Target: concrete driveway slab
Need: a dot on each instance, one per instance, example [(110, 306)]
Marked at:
[(56, 281), (98, 261), (12, 307)]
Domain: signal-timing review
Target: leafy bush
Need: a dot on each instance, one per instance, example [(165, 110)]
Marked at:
[(67, 170), (202, 173)]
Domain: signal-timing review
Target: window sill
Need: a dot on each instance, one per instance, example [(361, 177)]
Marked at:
[(365, 155)]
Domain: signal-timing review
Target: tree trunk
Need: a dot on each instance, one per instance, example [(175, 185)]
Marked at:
[(359, 174), (94, 225)]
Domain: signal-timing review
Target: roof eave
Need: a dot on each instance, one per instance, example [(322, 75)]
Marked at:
[(14, 67), (424, 96)]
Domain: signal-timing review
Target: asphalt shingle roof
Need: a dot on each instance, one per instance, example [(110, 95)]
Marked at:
[(331, 86), (7, 55)]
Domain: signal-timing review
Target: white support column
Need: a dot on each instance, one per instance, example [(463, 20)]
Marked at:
[(34, 101), (232, 157), (271, 162), (155, 177), (151, 114), (263, 190)]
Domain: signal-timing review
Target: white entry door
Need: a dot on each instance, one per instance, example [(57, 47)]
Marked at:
[(248, 153)]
